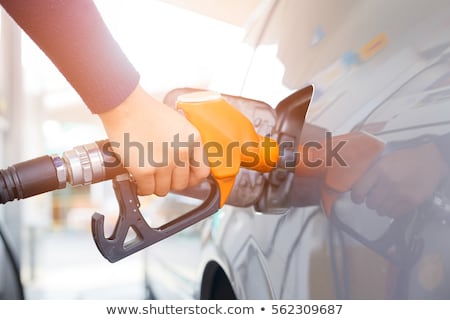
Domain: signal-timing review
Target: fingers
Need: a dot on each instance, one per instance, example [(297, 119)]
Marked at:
[(385, 191), (400, 208), (163, 180), (188, 170), (146, 184), (362, 187), (199, 169), (377, 195), (374, 191), (180, 174), (192, 168)]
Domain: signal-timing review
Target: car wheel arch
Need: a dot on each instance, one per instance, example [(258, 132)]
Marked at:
[(216, 284)]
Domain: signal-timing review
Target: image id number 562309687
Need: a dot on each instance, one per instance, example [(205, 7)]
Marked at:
[(306, 309)]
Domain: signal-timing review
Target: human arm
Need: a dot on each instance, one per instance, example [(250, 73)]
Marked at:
[(75, 38)]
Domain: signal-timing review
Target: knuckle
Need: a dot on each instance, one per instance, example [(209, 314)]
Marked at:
[(183, 154), (180, 185), (142, 173), (144, 190), (161, 193)]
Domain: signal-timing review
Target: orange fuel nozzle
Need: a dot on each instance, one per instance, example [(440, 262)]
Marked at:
[(229, 138)]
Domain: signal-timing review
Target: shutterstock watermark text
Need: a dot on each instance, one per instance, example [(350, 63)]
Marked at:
[(250, 153)]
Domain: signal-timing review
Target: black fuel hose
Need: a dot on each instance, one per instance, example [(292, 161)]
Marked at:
[(28, 178)]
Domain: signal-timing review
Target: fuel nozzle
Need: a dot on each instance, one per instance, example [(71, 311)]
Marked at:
[(231, 134)]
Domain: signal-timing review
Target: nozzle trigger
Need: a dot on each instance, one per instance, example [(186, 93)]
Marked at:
[(115, 247)]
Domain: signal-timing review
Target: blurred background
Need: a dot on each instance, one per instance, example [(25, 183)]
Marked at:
[(172, 43), (377, 66)]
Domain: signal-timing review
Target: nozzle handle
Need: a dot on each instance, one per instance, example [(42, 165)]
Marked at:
[(116, 247)]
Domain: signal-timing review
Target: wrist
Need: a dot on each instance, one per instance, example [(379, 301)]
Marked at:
[(138, 104), (123, 110)]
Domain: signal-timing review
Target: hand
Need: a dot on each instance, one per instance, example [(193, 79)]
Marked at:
[(401, 181), (142, 131)]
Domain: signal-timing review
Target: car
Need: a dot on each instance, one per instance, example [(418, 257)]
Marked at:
[(10, 283), (379, 68)]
